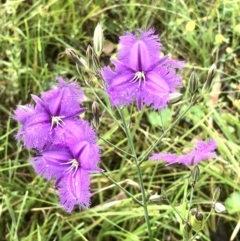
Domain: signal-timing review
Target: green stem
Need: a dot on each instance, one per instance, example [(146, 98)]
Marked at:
[(109, 143), (139, 175), (123, 189), (190, 202), (170, 204), (164, 134)]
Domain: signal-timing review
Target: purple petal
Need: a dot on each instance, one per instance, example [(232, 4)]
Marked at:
[(40, 105), (150, 40), (167, 157), (38, 119), (82, 142), (122, 81), (139, 56), (23, 112), (159, 100), (108, 74), (87, 154), (51, 163), (65, 100), (203, 150), (37, 136), (156, 83), (75, 190)]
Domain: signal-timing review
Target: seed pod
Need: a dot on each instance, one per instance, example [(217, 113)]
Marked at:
[(195, 174), (96, 113), (216, 194), (196, 220)]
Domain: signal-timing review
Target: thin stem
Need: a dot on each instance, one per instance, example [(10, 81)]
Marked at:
[(169, 203), (208, 216), (164, 134), (122, 188), (190, 202), (109, 143), (139, 175), (189, 207)]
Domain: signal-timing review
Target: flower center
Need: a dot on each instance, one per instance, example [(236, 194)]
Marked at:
[(57, 121), (139, 76), (74, 165)]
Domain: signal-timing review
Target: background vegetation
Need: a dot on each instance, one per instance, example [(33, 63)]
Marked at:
[(33, 38)]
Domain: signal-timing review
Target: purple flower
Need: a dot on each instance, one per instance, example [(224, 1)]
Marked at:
[(70, 161), (39, 122), (202, 150), (140, 73)]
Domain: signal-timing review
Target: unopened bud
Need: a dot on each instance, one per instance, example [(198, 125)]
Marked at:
[(163, 193), (193, 82), (155, 198), (96, 113), (211, 73), (216, 194), (78, 60), (219, 207), (98, 40), (71, 54), (84, 63), (92, 58), (174, 98)]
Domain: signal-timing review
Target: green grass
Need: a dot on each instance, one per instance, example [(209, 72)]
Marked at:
[(33, 37)]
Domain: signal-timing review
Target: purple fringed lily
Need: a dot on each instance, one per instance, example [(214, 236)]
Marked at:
[(140, 73), (71, 163), (39, 122), (202, 150), (66, 145)]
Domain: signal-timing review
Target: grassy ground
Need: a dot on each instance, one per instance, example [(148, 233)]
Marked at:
[(33, 37)]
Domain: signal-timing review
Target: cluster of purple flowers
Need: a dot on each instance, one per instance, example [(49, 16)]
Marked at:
[(65, 143)]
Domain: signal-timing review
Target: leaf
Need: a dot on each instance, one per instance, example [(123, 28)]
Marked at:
[(163, 119), (232, 203)]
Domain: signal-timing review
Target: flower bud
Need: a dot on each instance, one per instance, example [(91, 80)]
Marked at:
[(78, 60), (92, 59), (98, 40), (193, 82), (219, 207), (155, 198), (96, 113), (174, 98), (163, 193), (211, 73), (71, 54)]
